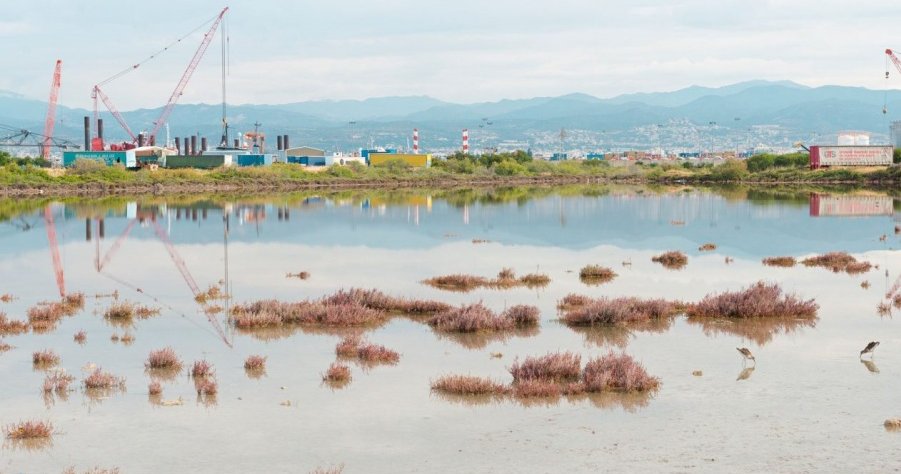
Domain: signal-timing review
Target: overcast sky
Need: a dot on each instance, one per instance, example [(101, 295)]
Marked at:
[(461, 51)]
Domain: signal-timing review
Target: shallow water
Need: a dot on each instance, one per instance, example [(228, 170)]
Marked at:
[(808, 405)]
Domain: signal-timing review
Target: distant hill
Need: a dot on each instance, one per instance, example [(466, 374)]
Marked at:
[(340, 123)]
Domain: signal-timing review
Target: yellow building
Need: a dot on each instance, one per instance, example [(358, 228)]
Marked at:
[(416, 161)]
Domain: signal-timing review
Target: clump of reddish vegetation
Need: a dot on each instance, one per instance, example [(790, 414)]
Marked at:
[(897, 229), (355, 347), (786, 262), (255, 363), (573, 300), (80, 337), (155, 388), (25, 430), (506, 278), (128, 339), (165, 358), (673, 260), (596, 274), (206, 387), (126, 311), (708, 247), (100, 380), (46, 314), (892, 424), (44, 359), (555, 367), (298, 275), (583, 311), (838, 262), (476, 317), (329, 470), (468, 385), (11, 327), (212, 293), (58, 382), (760, 300), (896, 301), (346, 308), (522, 315), (481, 241), (5, 347), (457, 282), (884, 309), (6, 298), (337, 373), (94, 470), (558, 374), (617, 372), (201, 368)]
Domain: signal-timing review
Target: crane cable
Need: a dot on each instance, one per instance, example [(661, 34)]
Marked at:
[(154, 55)]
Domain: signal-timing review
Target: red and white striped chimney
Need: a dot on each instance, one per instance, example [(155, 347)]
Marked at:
[(465, 140), (415, 141)]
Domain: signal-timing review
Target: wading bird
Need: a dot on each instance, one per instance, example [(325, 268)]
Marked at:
[(746, 353), (870, 348)]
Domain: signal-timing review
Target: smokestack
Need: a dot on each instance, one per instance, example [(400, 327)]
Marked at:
[(202, 145), (101, 228), (100, 131), (262, 144), (285, 142), (278, 143), (140, 139), (415, 141), (465, 141), (237, 143), (193, 145), (153, 140), (87, 133), (87, 229), (178, 145)]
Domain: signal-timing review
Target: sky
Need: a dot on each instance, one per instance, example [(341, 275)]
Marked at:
[(462, 51)]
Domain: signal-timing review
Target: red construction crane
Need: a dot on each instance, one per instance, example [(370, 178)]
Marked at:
[(890, 55), (176, 94), (894, 59), (180, 88), (51, 110)]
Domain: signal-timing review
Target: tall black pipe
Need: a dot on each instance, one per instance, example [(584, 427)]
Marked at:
[(152, 140), (140, 139), (178, 145), (101, 228), (87, 229), (285, 142), (237, 143), (100, 131), (193, 145), (87, 133), (279, 142), (202, 145)]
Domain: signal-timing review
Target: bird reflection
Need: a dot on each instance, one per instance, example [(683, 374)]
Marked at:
[(870, 365), (745, 373)]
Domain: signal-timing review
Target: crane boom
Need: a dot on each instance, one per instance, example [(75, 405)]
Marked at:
[(51, 110), (113, 110), (192, 66), (897, 62)]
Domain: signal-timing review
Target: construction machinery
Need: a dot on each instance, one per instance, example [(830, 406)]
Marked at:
[(139, 140)]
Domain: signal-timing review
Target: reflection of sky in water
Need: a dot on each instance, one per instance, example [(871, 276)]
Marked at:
[(809, 402)]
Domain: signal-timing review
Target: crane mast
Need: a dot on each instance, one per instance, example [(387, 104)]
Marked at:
[(50, 122)]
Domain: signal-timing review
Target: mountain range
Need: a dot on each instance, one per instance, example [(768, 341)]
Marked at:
[(797, 110)]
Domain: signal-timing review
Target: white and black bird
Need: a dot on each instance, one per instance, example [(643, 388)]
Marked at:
[(870, 348), (746, 353)]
